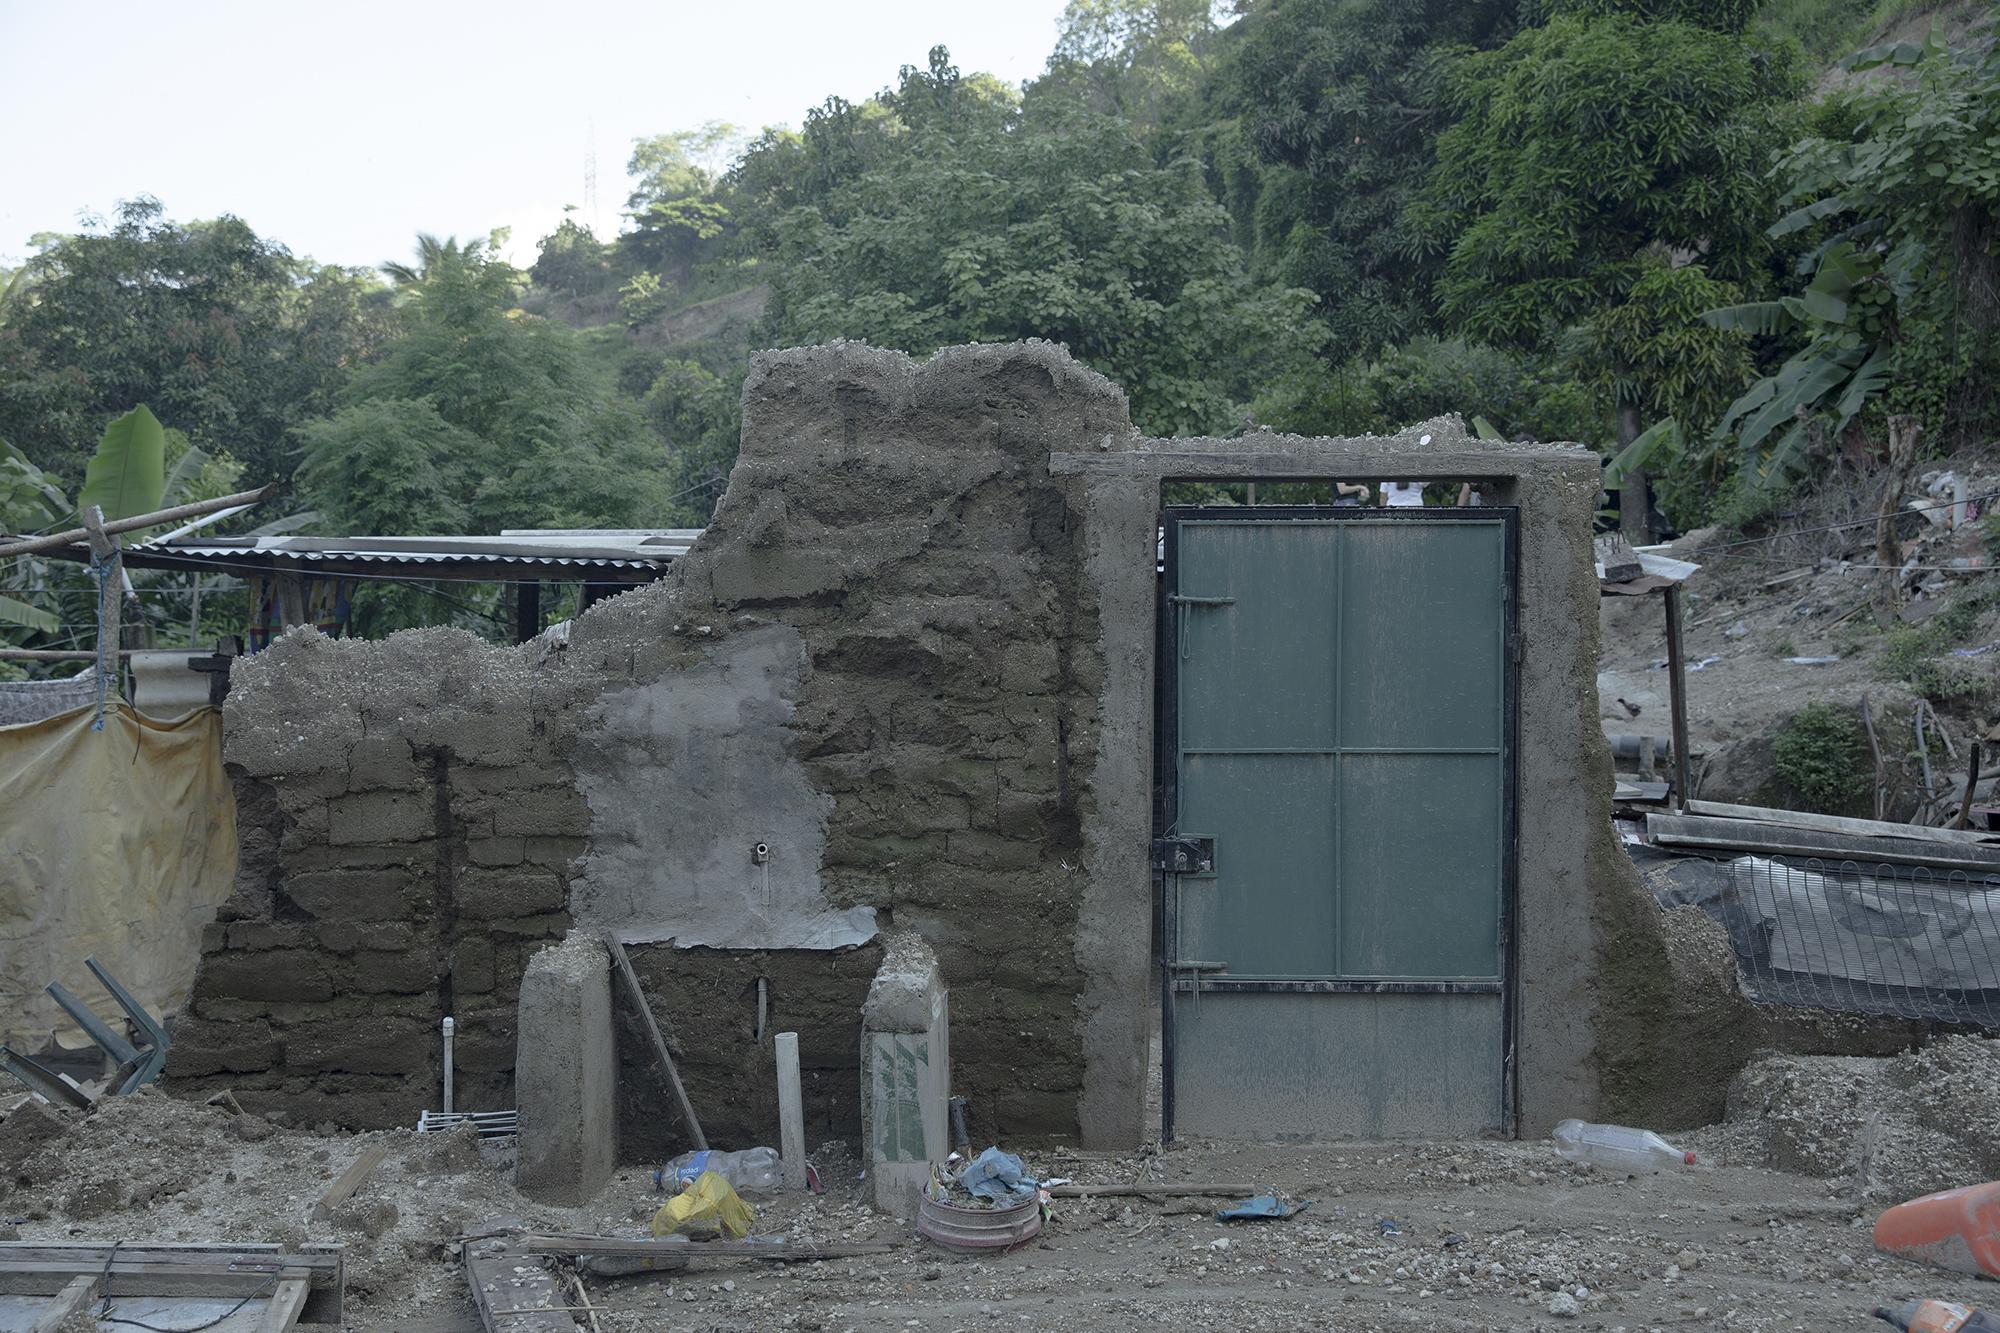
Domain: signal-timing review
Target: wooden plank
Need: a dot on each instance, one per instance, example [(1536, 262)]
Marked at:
[(659, 1043), (530, 1243), (71, 1300), (1150, 1191), (350, 1180), (508, 1293), (1740, 835), (37, 1268), (1869, 828), (287, 1303)]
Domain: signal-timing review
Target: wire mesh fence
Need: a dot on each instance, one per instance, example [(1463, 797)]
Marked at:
[(1873, 939)]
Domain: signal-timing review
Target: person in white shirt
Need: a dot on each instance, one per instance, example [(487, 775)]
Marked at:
[(1403, 494)]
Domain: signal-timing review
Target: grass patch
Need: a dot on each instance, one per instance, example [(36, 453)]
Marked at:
[(1916, 653)]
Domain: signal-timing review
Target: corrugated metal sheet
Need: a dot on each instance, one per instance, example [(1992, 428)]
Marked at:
[(641, 549)]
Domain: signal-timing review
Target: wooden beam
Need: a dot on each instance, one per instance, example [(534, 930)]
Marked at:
[(1864, 828), (779, 1252), (55, 655), (666, 1058), (70, 1301), (70, 537), (287, 1304), (44, 1268), (505, 1289), (350, 1180), (1743, 836), (1150, 1191)]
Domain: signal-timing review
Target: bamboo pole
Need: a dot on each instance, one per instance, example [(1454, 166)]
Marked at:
[(30, 545)]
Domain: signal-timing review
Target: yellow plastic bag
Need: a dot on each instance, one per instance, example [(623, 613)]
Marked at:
[(708, 1199)]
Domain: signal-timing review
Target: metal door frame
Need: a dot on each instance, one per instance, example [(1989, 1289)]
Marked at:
[(1166, 803)]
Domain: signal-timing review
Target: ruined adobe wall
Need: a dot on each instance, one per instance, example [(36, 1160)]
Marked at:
[(882, 660)]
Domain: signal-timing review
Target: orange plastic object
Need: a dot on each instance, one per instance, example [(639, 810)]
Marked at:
[(1958, 1229)]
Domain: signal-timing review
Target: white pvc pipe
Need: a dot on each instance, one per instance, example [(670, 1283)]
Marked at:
[(791, 1111), (448, 1028)]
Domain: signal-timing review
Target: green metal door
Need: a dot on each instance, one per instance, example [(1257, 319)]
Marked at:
[(1337, 727)]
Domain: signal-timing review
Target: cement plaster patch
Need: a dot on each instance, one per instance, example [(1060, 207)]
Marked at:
[(686, 777)]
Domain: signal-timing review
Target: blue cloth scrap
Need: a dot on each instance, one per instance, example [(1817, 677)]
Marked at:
[(996, 1175), (1261, 1207)]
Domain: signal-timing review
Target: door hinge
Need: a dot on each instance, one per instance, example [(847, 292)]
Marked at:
[(1184, 856)]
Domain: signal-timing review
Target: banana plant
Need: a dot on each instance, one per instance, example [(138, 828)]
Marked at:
[(1895, 197)]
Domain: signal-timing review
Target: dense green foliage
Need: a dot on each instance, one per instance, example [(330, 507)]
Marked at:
[(226, 335), (1821, 755), (1658, 227)]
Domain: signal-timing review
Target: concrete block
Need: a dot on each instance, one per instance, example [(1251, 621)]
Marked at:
[(905, 1073), (566, 1074)]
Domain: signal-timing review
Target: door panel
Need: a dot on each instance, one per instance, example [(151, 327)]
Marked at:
[(1418, 895), (1338, 722), (1268, 816)]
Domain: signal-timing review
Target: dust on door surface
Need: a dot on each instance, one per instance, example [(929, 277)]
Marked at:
[(1337, 721)]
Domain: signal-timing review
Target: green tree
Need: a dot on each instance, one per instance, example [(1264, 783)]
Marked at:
[(226, 334), (573, 262), (1591, 155), (1321, 121), (1132, 58), (479, 417), (976, 220)]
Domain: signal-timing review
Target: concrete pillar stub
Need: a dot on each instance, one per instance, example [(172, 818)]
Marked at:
[(905, 1073), (566, 1073)]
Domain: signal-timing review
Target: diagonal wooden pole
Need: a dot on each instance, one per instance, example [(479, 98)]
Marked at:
[(624, 965)]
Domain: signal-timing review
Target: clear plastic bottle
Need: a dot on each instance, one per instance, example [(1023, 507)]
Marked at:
[(1617, 1148), (753, 1170)]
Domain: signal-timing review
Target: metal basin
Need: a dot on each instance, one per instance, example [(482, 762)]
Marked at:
[(979, 1228)]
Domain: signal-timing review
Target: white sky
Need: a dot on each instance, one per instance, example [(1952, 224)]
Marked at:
[(344, 129)]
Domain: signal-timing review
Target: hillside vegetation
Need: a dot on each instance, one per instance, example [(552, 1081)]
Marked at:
[(1701, 235)]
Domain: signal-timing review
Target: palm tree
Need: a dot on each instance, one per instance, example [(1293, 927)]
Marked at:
[(434, 255)]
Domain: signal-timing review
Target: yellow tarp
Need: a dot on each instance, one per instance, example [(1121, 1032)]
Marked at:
[(119, 843)]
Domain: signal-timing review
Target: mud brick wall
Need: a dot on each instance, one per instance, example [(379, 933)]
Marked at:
[(882, 659)]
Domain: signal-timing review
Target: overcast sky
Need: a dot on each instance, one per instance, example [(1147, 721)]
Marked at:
[(344, 129)]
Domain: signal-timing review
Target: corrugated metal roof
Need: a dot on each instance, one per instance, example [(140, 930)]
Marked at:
[(563, 548)]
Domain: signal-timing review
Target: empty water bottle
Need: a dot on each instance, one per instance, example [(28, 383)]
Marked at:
[(759, 1170), (1616, 1148)]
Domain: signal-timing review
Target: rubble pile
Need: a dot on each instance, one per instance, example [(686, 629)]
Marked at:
[(1890, 1129)]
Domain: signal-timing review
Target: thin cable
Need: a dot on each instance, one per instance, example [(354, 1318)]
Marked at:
[(105, 1317)]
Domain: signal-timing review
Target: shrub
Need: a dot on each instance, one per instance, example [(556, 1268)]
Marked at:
[(1822, 756)]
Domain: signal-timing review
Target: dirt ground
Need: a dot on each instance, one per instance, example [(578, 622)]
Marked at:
[(1408, 1236), (1757, 604)]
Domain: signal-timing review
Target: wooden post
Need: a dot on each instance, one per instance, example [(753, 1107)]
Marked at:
[(791, 1110), (527, 610), (110, 595), (631, 978), (1905, 434), (1677, 693)]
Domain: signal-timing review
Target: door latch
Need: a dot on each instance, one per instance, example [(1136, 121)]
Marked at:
[(1184, 856)]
